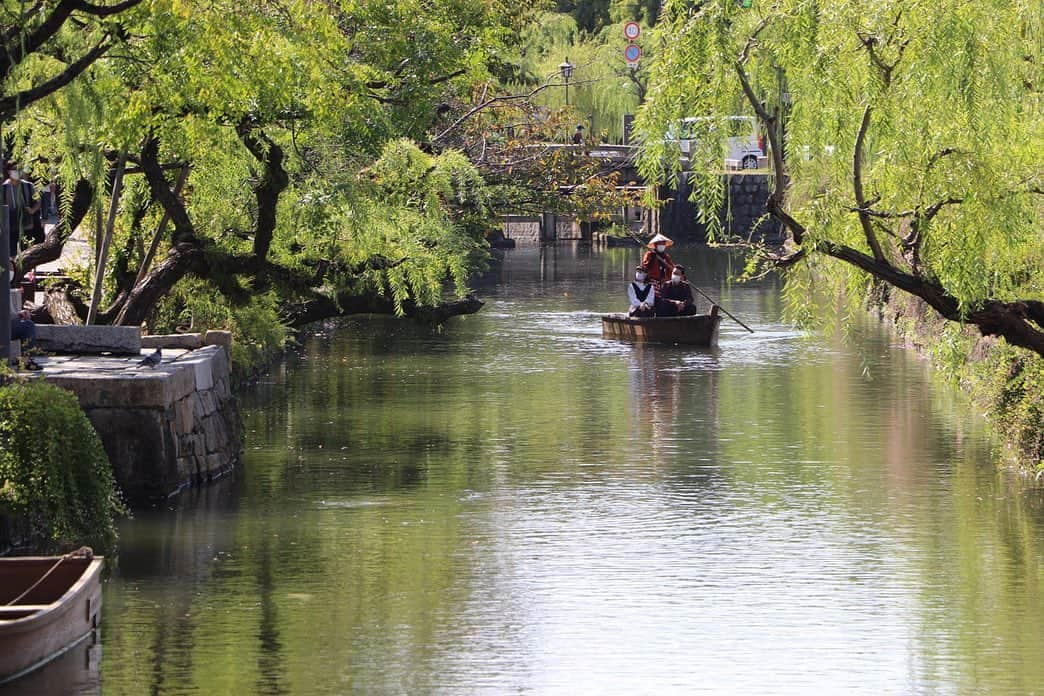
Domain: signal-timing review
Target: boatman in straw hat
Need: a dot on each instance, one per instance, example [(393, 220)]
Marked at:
[(657, 263)]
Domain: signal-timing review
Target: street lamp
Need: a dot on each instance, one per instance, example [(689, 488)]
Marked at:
[(566, 69)]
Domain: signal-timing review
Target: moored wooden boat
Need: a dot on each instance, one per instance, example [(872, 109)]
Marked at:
[(48, 605), (697, 330)]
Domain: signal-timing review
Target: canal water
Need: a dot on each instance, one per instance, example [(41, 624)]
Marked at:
[(515, 505)]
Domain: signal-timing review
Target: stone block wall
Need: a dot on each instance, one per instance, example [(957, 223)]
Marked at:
[(164, 428), (523, 229), (744, 204)]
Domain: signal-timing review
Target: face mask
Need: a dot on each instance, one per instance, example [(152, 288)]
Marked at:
[(661, 247), (640, 277), (676, 278), (13, 173)]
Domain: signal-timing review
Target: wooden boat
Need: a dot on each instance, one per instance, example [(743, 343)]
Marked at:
[(697, 330), (48, 605)]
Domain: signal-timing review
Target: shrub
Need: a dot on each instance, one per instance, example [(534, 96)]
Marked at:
[(1011, 382), (55, 478)]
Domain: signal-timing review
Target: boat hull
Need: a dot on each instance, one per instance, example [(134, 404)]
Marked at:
[(58, 615), (698, 330)]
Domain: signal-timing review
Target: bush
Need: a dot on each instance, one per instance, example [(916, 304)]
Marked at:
[(259, 333), (55, 478), (1011, 382)]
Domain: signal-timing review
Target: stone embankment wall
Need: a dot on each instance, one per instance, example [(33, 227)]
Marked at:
[(743, 207), (165, 427), (525, 230)]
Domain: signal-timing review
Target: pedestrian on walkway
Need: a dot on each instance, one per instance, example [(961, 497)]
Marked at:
[(23, 209)]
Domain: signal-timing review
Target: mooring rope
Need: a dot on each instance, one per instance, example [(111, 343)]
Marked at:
[(82, 552)]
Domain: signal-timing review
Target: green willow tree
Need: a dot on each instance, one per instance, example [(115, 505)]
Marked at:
[(278, 141), (913, 134), (45, 45), (602, 87)]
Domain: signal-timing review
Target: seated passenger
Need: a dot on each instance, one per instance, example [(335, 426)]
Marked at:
[(642, 296), (676, 298)]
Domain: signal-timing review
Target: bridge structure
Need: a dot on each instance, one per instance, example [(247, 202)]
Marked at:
[(742, 213), (613, 158)]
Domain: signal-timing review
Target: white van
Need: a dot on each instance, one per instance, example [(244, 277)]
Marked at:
[(745, 146)]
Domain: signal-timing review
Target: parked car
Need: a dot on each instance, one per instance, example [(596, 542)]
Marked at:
[(746, 149)]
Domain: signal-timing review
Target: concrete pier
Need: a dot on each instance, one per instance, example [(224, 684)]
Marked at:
[(164, 427)]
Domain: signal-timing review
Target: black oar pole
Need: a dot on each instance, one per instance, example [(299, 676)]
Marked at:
[(705, 295), (711, 300)]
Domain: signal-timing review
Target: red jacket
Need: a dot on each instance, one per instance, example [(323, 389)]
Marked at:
[(658, 266)]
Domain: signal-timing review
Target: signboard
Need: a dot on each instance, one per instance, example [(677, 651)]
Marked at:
[(632, 54), (632, 30)]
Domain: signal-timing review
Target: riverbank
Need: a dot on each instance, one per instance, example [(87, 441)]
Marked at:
[(1006, 382)]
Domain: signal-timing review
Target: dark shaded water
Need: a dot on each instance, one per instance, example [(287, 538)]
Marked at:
[(515, 505)]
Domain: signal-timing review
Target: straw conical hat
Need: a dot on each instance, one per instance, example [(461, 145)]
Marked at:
[(659, 239)]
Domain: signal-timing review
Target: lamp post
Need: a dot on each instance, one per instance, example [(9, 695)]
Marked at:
[(566, 69)]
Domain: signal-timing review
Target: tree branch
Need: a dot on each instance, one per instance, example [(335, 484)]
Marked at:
[(10, 105), (487, 103), (184, 230), (775, 201), (105, 10), (50, 26), (857, 187), (51, 248), (345, 304), (274, 180)]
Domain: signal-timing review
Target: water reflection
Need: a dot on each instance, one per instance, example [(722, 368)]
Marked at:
[(516, 504), (77, 671)]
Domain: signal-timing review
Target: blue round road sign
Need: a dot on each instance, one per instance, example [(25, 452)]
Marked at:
[(632, 53)]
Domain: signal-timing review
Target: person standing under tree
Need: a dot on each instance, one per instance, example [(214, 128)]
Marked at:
[(22, 326), (578, 135), (22, 208)]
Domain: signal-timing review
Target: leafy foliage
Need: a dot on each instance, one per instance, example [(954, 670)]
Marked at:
[(910, 148), (592, 15), (297, 125), (602, 87), (54, 473), (1012, 386)]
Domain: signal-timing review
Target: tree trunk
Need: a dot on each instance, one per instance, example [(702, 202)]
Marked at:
[(50, 249), (59, 307), (159, 283)]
